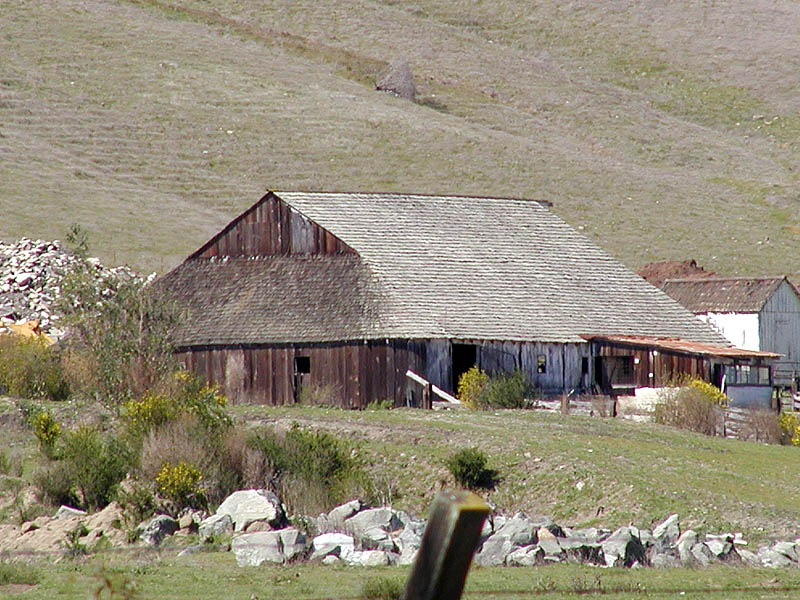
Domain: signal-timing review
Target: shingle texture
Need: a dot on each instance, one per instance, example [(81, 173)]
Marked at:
[(433, 267), (723, 294), (275, 299)]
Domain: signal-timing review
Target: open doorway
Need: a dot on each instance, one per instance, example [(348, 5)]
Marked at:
[(465, 356)]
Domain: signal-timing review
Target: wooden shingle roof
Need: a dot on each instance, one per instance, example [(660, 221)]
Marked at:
[(723, 294), (434, 267)]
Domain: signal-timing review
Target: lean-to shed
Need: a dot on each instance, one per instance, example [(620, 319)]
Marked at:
[(756, 313), (340, 294)]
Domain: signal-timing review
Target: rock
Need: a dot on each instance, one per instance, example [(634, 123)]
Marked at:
[(768, 557), (721, 546), (702, 554), (623, 548), (337, 544), (158, 528), (334, 520), (519, 530), (788, 549), (294, 542), (368, 558), (257, 526), (684, 545), (662, 560), (527, 556), (667, 532), (551, 548), (331, 559), (380, 518), (580, 551), (750, 559), (494, 551), (246, 506), (408, 542), (377, 539), (397, 79), (214, 527), (67, 512), (253, 549)]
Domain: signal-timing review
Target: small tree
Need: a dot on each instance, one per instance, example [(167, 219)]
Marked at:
[(119, 345)]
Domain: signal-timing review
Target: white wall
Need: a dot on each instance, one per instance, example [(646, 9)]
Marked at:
[(740, 329)]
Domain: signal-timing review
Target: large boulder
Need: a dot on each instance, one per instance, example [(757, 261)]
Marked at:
[(374, 518), (334, 520), (215, 526), (527, 556), (246, 506), (684, 545), (332, 544), (369, 558), (667, 532), (158, 528), (623, 548), (520, 530), (253, 549), (67, 512)]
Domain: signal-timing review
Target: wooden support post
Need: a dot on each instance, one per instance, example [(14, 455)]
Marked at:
[(427, 401), (450, 539)]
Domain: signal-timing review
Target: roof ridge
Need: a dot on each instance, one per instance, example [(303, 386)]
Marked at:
[(547, 203), (715, 278)]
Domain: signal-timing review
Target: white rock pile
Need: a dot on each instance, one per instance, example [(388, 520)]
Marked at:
[(31, 276)]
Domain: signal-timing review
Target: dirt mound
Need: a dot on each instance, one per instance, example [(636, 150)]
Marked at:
[(658, 272)]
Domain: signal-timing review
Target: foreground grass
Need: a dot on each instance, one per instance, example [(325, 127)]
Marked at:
[(216, 575)]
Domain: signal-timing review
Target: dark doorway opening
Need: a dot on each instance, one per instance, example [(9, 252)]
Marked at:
[(465, 356)]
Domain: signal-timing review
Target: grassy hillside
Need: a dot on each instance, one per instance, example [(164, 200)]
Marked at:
[(664, 132), (630, 473)]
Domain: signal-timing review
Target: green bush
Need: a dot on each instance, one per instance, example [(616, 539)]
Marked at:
[(477, 390), (18, 574), (468, 467), (383, 588), (311, 470), (505, 391), (87, 472), (29, 368), (47, 431), (692, 404)]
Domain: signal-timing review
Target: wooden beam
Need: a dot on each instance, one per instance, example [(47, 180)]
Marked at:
[(450, 539)]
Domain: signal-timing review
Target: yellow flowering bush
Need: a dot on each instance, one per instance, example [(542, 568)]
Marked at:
[(470, 386), (180, 483)]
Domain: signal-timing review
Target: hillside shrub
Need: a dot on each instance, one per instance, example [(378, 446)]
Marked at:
[(29, 368), (790, 429), (470, 387), (692, 404), (478, 390), (87, 472), (506, 390), (311, 471), (180, 483), (119, 343), (47, 431), (468, 467), (185, 396)]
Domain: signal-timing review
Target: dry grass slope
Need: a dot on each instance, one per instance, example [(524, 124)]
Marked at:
[(665, 131)]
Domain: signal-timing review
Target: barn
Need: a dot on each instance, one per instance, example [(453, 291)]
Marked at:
[(310, 294)]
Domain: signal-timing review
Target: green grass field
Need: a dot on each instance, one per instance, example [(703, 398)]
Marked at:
[(215, 575), (663, 132)]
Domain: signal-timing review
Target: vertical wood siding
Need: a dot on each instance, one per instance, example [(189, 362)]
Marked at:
[(780, 324), (269, 228), (350, 375)]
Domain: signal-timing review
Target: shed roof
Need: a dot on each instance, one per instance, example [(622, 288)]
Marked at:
[(442, 267), (723, 294), (682, 346)]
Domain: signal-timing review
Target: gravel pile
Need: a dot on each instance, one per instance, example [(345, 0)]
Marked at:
[(31, 276)]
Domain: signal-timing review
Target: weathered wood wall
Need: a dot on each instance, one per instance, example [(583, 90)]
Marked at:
[(350, 374), (654, 368), (271, 227), (562, 371), (779, 331)]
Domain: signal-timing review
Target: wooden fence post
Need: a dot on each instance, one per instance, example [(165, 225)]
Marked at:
[(450, 539)]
